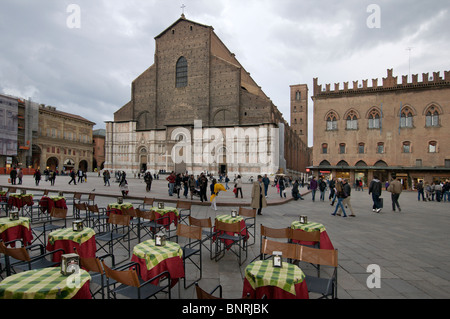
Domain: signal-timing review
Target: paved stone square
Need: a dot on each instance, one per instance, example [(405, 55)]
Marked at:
[(410, 247)]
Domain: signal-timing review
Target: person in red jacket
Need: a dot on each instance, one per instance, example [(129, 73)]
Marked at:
[(171, 180)]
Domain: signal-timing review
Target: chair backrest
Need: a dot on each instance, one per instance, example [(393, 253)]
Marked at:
[(191, 232), (126, 277), (275, 232), (226, 227), (184, 205), (17, 253), (201, 294), (129, 211), (305, 236), (28, 200), (148, 215), (45, 192), (77, 196), (58, 212), (120, 220), (200, 222), (93, 208), (91, 264), (326, 257), (91, 197), (246, 212), (288, 250), (81, 206), (12, 190), (149, 201)]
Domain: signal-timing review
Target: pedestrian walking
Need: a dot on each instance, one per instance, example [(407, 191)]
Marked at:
[(420, 191), (282, 186), (72, 177), (203, 184), (148, 179), (375, 189), (322, 188), (395, 188), (238, 186), (171, 180), (106, 177), (185, 184), (123, 184), (258, 199), (20, 176), (313, 187), (13, 176), (340, 194), (37, 177), (266, 182), (346, 201), (52, 177), (226, 182)]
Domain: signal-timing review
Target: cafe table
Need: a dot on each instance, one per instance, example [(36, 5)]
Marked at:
[(46, 203), (67, 239), (16, 229), (231, 220), (154, 260), (325, 242), (116, 208), (46, 283), (166, 215), (20, 200), (263, 279)]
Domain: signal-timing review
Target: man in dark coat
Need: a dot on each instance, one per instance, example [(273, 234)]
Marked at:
[(375, 189)]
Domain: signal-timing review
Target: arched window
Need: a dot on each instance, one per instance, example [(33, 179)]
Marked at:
[(406, 147), (298, 95), (432, 117), (342, 148), (182, 73), (324, 148), (374, 119), (331, 122), (432, 147), (380, 148), (406, 119), (352, 121), (361, 148)]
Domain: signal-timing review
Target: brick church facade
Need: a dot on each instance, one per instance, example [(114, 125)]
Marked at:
[(197, 109)]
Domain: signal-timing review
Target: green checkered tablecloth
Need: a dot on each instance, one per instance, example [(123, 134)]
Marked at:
[(228, 219), (46, 283), (56, 198), (165, 210), (153, 254), (120, 206), (309, 227), (5, 223), (261, 273), (18, 195), (68, 234)]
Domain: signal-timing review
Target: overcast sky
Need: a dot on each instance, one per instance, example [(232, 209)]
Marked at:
[(88, 70)]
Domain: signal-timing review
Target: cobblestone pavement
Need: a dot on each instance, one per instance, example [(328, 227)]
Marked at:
[(410, 247)]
